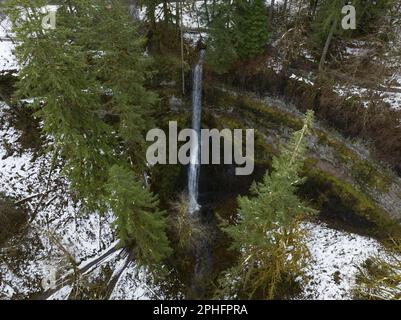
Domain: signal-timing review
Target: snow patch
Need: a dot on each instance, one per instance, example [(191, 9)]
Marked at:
[(335, 256)]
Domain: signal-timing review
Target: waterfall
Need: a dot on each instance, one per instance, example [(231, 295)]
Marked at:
[(193, 174)]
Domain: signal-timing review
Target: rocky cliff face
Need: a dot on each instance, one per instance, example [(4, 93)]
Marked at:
[(343, 171)]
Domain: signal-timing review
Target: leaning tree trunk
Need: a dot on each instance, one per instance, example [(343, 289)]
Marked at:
[(327, 45)]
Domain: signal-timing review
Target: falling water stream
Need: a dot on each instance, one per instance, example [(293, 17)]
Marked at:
[(193, 174), (203, 263)]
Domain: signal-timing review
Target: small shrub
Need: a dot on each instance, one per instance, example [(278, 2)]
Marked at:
[(379, 278), (276, 273), (187, 229)]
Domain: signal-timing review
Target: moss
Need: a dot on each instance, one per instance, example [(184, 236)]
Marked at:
[(326, 190), (362, 171), (365, 173), (224, 121), (263, 113), (253, 110), (332, 194)]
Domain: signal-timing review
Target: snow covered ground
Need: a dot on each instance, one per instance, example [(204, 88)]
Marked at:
[(7, 58), (335, 257), (24, 174), (132, 285), (392, 95)]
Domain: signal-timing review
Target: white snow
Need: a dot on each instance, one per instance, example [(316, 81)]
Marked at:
[(61, 294), (393, 98), (7, 47), (7, 58), (302, 79), (335, 256), (132, 285)]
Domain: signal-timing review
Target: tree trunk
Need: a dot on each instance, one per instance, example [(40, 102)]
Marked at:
[(207, 12), (327, 45), (314, 8), (177, 15), (182, 50), (271, 12), (166, 13), (284, 12)]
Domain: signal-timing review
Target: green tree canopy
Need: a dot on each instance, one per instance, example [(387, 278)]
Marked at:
[(87, 78), (237, 30), (267, 232)]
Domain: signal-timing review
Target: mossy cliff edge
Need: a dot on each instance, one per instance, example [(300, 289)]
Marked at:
[(349, 188)]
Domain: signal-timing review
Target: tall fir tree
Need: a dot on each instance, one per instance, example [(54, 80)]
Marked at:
[(221, 53), (87, 77), (238, 30), (141, 226), (267, 233), (251, 27)]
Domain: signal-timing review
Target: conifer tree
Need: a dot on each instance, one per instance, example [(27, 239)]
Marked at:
[(327, 23), (251, 28), (140, 223), (87, 77), (267, 232), (221, 53), (150, 11), (238, 30)]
